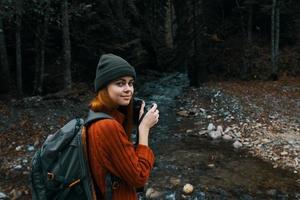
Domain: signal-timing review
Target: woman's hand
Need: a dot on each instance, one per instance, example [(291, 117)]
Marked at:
[(151, 117), (149, 120)]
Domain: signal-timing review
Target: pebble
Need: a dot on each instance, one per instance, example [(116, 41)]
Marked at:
[(170, 196), (227, 130), (211, 127), (16, 194), (188, 188), (203, 132), (175, 181), (189, 131), (215, 135), (227, 137), (211, 165), (153, 194), (237, 145), (220, 128), (265, 140), (18, 167), (30, 148), (18, 148), (183, 113), (3, 196)]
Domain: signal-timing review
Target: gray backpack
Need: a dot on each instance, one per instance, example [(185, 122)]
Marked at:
[(60, 167)]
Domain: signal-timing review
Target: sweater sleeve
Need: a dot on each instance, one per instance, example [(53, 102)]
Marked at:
[(123, 160)]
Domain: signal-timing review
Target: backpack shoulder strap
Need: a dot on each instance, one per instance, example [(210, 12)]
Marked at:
[(109, 178), (94, 116)]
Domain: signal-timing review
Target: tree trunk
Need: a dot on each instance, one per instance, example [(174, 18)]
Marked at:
[(297, 30), (19, 7), (40, 52), (37, 47), (66, 45), (275, 32), (245, 45), (250, 19), (168, 25), (4, 68)]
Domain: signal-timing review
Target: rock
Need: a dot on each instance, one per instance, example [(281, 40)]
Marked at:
[(149, 191), (265, 140), (220, 129), (203, 132), (211, 165), (30, 148), (202, 110), (211, 127), (237, 144), (238, 134), (18, 167), (284, 153), (18, 148), (215, 135), (276, 158), (188, 188), (183, 113), (227, 130), (175, 181), (227, 137), (153, 194), (170, 196), (3, 196), (189, 131), (16, 194)]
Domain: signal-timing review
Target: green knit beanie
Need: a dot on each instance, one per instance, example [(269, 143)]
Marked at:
[(110, 68)]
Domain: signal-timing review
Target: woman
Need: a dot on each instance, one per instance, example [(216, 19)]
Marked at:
[(109, 147)]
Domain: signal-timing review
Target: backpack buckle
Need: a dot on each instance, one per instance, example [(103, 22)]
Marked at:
[(50, 176), (115, 185)]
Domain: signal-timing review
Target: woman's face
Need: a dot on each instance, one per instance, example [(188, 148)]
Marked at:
[(121, 90)]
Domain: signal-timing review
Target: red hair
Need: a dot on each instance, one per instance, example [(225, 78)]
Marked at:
[(103, 103)]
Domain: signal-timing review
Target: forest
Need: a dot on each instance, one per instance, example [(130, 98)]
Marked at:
[(48, 45)]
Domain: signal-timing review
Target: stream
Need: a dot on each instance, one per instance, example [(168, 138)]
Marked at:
[(214, 168)]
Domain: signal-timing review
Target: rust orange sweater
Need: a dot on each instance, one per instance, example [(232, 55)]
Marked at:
[(110, 150)]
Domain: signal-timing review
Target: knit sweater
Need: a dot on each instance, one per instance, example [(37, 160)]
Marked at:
[(110, 150)]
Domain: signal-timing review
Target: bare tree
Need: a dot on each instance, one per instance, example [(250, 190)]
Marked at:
[(4, 67), (41, 37), (19, 8), (275, 31), (169, 24), (66, 45), (250, 4)]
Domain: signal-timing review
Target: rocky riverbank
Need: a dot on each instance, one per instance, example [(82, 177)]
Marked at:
[(261, 117)]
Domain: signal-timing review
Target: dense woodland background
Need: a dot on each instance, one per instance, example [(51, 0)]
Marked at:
[(46, 45)]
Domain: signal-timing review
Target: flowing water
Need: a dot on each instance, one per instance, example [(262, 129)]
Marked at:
[(214, 168)]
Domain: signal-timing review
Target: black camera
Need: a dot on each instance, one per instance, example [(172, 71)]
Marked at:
[(137, 104)]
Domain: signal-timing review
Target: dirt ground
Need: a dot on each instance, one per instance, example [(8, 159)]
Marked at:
[(263, 116)]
